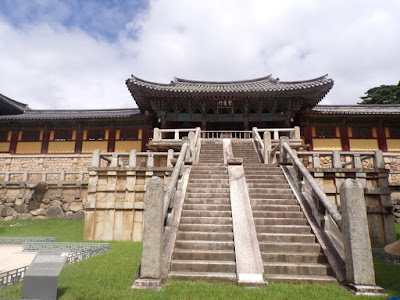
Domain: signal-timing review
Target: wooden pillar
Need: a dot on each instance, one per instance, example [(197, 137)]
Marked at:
[(344, 138), (111, 140), (381, 137), (308, 137), (14, 140), (79, 139), (145, 138), (45, 141)]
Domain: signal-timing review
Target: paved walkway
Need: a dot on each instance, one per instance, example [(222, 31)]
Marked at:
[(12, 257)]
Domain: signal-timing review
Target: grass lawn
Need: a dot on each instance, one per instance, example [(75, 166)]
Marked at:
[(111, 274)]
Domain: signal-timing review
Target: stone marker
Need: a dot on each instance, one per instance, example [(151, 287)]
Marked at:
[(41, 278), (153, 228), (360, 273)]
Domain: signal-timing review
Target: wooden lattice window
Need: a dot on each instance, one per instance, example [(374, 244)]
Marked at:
[(96, 135), (395, 132), (31, 136), (129, 135), (3, 136), (325, 132), (362, 132), (63, 135)]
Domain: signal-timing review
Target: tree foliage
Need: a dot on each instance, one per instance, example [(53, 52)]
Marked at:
[(384, 94)]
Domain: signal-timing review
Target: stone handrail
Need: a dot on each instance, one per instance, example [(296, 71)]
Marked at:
[(173, 180), (158, 134), (351, 158), (330, 208), (62, 175), (229, 134), (114, 159)]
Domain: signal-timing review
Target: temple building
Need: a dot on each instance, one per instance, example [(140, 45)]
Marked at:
[(237, 105)]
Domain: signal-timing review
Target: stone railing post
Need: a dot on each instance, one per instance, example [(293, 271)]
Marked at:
[(276, 135), (316, 160), (357, 161), (114, 161), (96, 158), (297, 135), (360, 273), (336, 162), (283, 156), (25, 176), (153, 228), (62, 175), (150, 160), (379, 162), (132, 159), (176, 135), (192, 145), (170, 157), (267, 147), (156, 134)]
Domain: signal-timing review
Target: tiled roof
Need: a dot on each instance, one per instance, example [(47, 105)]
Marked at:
[(314, 89), (8, 105), (73, 114), (367, 109)]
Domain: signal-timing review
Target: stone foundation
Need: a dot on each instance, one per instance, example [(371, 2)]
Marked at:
[(40, 200)]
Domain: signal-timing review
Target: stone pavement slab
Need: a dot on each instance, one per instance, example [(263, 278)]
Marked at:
[(13, 257)]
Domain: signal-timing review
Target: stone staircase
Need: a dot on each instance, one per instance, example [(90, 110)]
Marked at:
[(204, 248), (244, 149), (288, 246)]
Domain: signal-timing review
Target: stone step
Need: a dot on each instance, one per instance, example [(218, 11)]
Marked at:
[(209, 171), (206, 213), (260, 207), (262, 196), (208, 195), (207, 190), (289, 247), (283, 229), (205, 220), (209, 177), (296, 268), (224, 200), (204, 245), (300, 278), (255, 202), (268, 185), (286, 237), (189, 254), (277, 214), (206, 227), (205, 276), (270, 191), (250, 177), (279, 221), (208, 185), (306, 257), (203, 266), (199, 165), (205, 236), (208, 180), (210, 207)]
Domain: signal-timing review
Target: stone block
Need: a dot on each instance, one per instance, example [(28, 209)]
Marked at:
[(65, 207), (76, 206), (9, 218), (79, 215), (55, 212), (9, 211), (44, 206), (68, 215), (19, 201), (46, 200), (24, 216), (39, 218), (37, 212), (24, 208), (55, 203)]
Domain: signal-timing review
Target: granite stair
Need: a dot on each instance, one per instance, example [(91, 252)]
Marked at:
[(244, 149), (204, 249), (288, 247)]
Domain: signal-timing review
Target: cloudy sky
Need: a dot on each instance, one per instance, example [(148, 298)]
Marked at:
[(78, 53)]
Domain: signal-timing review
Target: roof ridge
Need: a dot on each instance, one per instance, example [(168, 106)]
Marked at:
[(308, 80), (181, 80), (18, 105)]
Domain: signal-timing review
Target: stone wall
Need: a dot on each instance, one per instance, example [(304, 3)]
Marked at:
[(39, 200)]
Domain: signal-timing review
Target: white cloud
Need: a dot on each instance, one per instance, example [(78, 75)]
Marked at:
[(356, 42)]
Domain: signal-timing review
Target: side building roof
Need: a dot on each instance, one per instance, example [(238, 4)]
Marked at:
[(9, 106), (366, 109)]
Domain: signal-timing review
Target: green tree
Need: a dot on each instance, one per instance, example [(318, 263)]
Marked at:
[(384, 94)]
